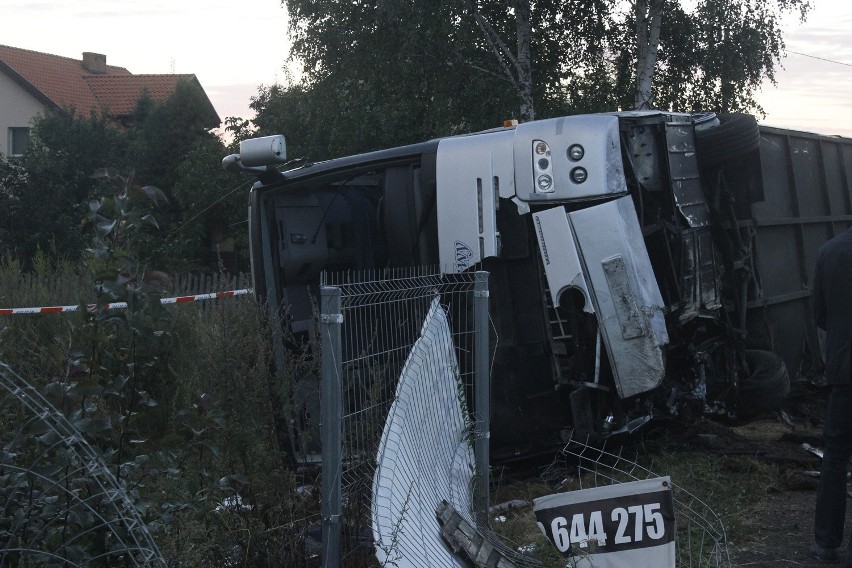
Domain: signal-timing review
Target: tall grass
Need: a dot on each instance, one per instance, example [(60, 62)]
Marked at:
[(224, 494), (35, 345)]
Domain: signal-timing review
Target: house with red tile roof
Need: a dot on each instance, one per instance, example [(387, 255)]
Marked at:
[(34, 83)]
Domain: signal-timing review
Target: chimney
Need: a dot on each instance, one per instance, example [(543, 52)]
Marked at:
[(95, 63)]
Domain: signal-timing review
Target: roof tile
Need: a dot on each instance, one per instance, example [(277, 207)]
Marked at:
[(118, 95), (63, 82), (60, 79)]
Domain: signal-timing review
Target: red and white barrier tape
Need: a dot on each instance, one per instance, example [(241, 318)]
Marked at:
[(123, 305)]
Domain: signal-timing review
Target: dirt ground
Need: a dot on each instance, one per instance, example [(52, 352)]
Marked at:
[(760, 478), (781, 520)]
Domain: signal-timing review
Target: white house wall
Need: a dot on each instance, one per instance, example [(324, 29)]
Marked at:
[(17, 109)]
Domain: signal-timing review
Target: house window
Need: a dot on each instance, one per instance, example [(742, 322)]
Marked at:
[(18, 139)]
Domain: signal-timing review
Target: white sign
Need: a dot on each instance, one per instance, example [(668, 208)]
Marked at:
[(627, 525)]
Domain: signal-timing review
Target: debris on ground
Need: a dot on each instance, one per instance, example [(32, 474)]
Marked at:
[(464, 539)]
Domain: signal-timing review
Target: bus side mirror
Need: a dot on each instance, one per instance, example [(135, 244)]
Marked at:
[(263, 151), (256, 154)]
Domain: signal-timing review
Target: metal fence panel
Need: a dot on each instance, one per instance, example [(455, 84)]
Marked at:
[(378, 321)]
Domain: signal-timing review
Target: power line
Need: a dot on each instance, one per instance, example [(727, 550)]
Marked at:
[(820, 58)]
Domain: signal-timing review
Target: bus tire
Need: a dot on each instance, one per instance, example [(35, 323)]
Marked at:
[(765, 387), (736, 135)]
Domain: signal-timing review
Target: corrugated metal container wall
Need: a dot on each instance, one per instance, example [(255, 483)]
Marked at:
[(808, 200)]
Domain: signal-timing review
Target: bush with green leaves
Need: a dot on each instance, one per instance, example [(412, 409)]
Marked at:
[(180, 402), (169, 144)]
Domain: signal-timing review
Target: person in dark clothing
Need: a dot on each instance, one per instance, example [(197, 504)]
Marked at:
[(832, 297)]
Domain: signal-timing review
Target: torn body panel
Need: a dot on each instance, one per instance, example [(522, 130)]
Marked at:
[(559, 254), (625, 293)]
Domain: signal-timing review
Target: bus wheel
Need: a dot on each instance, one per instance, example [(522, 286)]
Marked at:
[(736, 135), (766, 385)]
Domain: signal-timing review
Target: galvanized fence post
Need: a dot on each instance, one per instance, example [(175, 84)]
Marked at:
[(482, 393), (331, 410)]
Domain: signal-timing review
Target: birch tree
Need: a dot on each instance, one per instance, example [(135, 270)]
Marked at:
[(516, 65), (648, 15), (714, 56), (378, 73)]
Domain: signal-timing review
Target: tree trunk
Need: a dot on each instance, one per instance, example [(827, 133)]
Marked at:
[(517, 66), (649, 18), (524, 59)]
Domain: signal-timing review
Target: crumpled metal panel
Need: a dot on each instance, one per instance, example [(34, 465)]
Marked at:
[(626, 307), (641, 141), (625, 293), (701, 283), (559, 254), (685, 176)]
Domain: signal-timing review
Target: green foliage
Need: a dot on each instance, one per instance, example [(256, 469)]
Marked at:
[(110, 373), (60, 504), (41, 191), (37, 346), (167, 143), (212, 203), (163, 134), (716, 56), (180, 403), (114, 360), (13, 183), (173, 149), (224, 361), (380, 74)]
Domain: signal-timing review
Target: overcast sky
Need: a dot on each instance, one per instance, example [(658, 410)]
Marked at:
[(233, 47), (814, 94)]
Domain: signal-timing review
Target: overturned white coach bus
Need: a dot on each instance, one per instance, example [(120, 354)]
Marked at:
[(641, 264)]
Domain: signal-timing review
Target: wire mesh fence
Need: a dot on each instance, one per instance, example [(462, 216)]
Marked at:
[(700, 537), (370, 326)]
